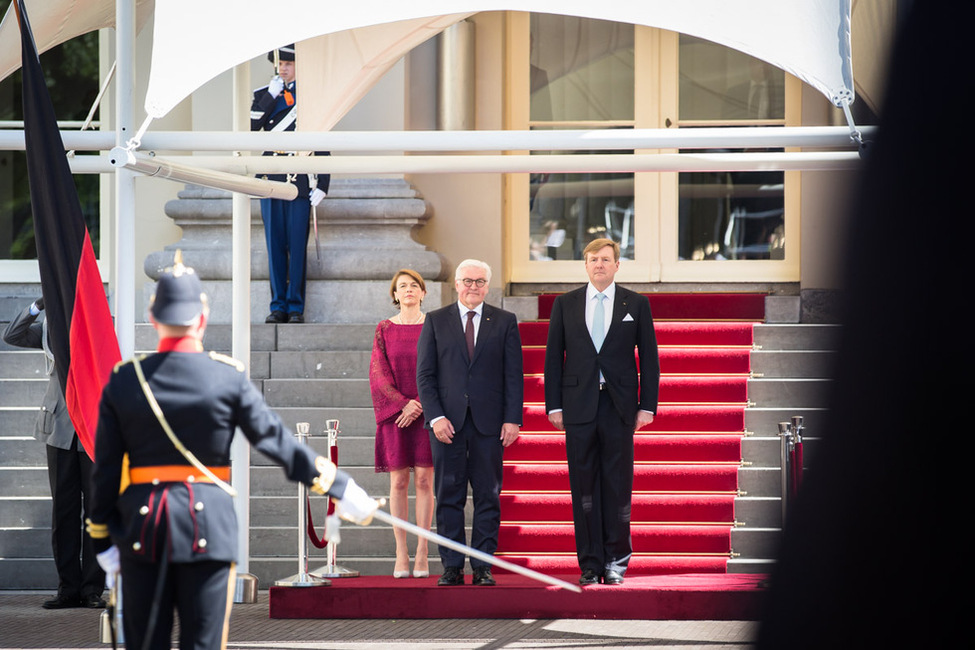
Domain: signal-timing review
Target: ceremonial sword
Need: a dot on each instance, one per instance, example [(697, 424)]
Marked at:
[(384, 516)]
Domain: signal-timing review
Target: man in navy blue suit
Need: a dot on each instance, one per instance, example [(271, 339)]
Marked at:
[(471, 385), (593, 392)]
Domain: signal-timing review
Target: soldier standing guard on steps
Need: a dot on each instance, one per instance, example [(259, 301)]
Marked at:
[(172, 532), (286, 223)]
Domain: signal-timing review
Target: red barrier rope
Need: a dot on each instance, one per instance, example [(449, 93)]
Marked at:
[(321, 542)]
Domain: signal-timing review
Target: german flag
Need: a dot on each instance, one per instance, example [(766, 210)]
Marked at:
[(80, 328)]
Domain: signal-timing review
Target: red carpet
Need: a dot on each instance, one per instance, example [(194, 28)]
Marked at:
[(663, 597), (685, 483)]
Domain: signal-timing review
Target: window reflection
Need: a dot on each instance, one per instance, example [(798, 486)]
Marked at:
[(731, 216), (567, 211)]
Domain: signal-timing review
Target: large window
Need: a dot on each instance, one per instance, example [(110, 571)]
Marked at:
[(581, 75), (72, 79), (576, 73)]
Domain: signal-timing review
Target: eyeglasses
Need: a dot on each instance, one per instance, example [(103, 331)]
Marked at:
[(469, 282)]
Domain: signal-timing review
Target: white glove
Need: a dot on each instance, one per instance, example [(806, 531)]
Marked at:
[(275, 86), (110, 564), (355, 505), (333, 526), (316, 197)]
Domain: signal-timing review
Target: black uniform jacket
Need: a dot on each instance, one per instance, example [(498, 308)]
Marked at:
[(269, 114), (572, 365), (204, 397)]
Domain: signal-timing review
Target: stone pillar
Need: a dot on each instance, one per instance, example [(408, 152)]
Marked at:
[(365, 228)]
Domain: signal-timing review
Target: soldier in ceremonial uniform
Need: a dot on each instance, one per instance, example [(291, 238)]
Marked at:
[(172, 532), (286, 223)]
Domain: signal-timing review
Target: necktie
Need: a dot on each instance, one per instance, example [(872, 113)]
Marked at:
[(469, 333), (599, 322)]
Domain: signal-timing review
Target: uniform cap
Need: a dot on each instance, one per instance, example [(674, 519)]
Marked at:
[(286, 53), (179, 296)]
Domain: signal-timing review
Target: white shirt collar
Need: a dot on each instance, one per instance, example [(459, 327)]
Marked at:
[(609, 292), (464, 309)]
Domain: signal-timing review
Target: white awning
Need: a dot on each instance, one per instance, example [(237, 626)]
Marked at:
[(807, 38)]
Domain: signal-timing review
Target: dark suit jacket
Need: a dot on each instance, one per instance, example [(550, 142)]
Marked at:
[(572, 365), (54, 424), (491, 384)]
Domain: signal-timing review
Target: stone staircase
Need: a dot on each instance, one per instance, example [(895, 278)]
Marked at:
[(314, 372), (791, 364)]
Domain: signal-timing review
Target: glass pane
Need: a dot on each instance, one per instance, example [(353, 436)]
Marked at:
[(72, 79), (731, 216), (719, 83), (567, 211), (581, 69)]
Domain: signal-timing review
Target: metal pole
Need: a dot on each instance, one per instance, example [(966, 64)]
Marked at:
[(302, 578), (331, 569), (785, 440), (123, 278), (246, 591), (767, 137)]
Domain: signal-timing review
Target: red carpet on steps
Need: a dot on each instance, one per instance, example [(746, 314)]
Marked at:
[(685, 483)]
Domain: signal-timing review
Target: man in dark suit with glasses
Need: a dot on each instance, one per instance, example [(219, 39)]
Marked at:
[(471, 385)]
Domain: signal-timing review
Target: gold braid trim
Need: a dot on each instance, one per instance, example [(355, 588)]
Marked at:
[(96, 531), (326, 475)]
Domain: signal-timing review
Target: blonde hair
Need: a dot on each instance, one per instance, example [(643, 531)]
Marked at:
[(598, 245), (408, 272)]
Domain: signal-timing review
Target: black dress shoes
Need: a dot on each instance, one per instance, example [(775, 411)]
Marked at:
[(93, 601), (612, 578), (589, 577), (483, 577), (452, 576), (295, 317), (276, 317), (61, 602)]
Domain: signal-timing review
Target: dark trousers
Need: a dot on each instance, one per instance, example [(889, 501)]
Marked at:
[(600, 456), (476, 459), (200, 592), (69, 473), (286, 229)]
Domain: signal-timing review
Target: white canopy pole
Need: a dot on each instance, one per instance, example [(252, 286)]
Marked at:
[(123, 279), (241, 322), (385, 141)]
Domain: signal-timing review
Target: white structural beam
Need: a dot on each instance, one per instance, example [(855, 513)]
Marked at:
[(468, 141), (241, 169)]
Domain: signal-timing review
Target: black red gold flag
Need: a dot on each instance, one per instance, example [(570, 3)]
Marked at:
[(80, 328)]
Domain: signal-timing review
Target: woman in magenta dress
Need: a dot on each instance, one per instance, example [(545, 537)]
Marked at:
[(402, 442)]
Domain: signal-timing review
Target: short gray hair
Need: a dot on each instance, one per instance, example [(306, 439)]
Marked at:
[(476, 264)]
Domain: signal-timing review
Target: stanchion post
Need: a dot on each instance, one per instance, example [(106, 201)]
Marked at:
[(797, 433), (302, 578), (785, 442), (331, 569)]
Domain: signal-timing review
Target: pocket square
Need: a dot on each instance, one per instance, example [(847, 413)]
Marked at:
[(627, 318)]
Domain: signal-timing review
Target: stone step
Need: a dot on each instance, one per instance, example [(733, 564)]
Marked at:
[(743, 565), (802, 393), (26, 512), (759, 512), (760, 481), (764, 421), (31, 573), (755, 542), (22, 392), (22, 451), (24, 481), (796, 364), (22, 364), (796, 337), (322, 393), (17, 421)]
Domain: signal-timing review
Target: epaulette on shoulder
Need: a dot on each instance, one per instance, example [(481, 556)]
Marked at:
[(119, 365), (230, 361)]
